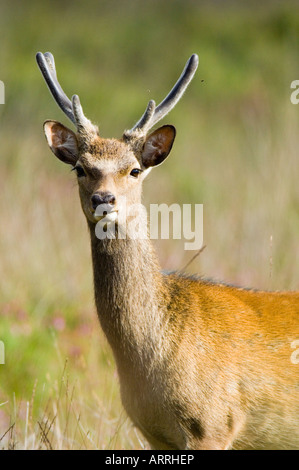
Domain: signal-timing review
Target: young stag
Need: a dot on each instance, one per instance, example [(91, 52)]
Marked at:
[(202, 365)]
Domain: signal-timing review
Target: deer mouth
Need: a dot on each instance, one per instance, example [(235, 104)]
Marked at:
[(106, 217)]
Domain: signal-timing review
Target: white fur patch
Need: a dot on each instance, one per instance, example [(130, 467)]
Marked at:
[(106, 219)]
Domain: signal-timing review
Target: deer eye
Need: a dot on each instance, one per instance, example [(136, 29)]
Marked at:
[(79, 170), (135, 172)]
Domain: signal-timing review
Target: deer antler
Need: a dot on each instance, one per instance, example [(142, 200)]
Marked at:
[(154, 114), (72, 109)]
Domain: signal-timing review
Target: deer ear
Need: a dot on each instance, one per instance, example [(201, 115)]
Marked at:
[(62, 141), (157, 146)]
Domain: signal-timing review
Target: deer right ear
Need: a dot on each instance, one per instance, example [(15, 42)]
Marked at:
[(62, 141), (157, 146)]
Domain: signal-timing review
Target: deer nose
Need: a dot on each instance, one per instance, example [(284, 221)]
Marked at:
[(102, 198)]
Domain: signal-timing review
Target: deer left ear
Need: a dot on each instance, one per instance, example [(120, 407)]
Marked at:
[(62, 141), (157, 146)]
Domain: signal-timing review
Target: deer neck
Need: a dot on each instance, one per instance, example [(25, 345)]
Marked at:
[(129, 294)]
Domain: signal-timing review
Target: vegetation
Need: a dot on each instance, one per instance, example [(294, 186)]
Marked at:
[(235, 152)]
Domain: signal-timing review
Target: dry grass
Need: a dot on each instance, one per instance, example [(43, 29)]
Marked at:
[(81, 412)]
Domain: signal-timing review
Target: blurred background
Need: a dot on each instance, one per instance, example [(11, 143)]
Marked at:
[(236, 152)]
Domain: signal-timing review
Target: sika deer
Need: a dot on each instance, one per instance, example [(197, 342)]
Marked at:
[(202, 365)]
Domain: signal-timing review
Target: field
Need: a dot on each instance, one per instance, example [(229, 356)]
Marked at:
[(236, 152)]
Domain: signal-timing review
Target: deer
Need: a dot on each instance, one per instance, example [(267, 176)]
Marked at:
[(202, 365)]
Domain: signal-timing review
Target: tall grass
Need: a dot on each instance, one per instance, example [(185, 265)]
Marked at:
[(235, 152), (68, 414)]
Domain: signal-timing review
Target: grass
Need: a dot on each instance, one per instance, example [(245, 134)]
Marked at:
[(235, 152), (68, 414)]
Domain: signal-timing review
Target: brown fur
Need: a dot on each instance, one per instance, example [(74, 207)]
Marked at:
[(201, 365)]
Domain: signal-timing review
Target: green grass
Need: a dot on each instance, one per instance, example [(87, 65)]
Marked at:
[(235, 152)]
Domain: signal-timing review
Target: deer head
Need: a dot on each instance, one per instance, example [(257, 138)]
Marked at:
[(110, 170)]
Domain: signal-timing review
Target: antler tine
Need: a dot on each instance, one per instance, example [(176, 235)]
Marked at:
[(83, 123), (154, 114), (47, 67), (146, 117)]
